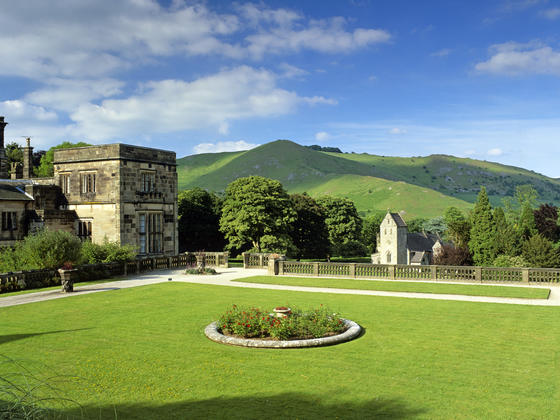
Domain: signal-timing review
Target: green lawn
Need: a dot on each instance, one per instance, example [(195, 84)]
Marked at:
[(141, 353), (402, 286)]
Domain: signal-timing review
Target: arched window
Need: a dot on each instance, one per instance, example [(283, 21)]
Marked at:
[(388, 257)]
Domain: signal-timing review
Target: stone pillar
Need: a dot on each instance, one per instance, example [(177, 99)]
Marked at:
[(433, 274), (478, 274), (352, 270), (391, 272), (3, 158), (525, 275), (28, 160), (316, 269)]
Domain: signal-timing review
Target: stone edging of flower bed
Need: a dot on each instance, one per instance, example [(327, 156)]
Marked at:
[(352, 332)]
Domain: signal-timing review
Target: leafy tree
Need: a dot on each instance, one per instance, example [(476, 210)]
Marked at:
[(350, 248), (523, 194), (451, 255), (435, 225), (343, 222), (199, 221), (309, 231), (506, 240), (257, 212), (540, 252), (526, 194), (458, 227), (370, 231), (481, 244), (416, 224), (546, 221), (46, 168), (14, 152), (527, 226)]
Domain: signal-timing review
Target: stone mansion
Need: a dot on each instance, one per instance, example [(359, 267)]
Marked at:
[(123, 193)]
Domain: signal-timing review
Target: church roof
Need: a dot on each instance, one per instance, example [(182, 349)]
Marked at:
[(398, 219), (13, 193), (417, 257), (421, 241)]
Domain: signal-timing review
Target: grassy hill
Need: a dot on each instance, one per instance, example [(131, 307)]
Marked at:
[(420, 186)]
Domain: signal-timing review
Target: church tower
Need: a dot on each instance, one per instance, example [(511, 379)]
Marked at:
[(392, 241)]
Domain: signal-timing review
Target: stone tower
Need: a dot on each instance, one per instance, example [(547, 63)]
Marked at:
[(28, 159), (392, 240), (3, 159)]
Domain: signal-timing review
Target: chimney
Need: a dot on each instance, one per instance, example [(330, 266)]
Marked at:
[(28, 159), (3, 158)]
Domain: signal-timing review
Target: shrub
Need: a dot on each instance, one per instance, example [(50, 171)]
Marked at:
[(106, 252), (206, 270), (509, 261), (46, 249), (256, 323)]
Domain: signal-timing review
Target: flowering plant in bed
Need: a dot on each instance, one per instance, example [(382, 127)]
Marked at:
[(299, 325)]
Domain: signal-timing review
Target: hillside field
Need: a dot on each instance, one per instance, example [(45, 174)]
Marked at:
[(418, 186)]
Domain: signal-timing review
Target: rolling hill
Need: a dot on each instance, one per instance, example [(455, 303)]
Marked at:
[(419, 186)]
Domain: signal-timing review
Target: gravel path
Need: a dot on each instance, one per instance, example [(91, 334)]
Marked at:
[(226, 276)]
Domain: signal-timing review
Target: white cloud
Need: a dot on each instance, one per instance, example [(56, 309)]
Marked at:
[(517, 59), (397, 131), (174, 105), (86, 39), (290, 71), (21, 109), (442, 53), (67, 94), (224, 146), (322, 136), (495, 152), (551, 14), (326, 36)]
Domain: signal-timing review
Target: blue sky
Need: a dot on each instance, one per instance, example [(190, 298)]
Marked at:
[(476, 79)]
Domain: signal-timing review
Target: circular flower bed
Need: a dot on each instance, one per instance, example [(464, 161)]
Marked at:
[(253, 327)]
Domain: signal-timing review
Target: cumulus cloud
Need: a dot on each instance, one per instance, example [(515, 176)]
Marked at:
[(174, 105), (120, 34), (551, 14), (224, 146), (21, 109), (495, 152), (397, 131), (517, 59), (322, 136), (68, 94), (326, 36)]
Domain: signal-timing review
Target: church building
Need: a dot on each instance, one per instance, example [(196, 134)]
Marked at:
[(396, 245)]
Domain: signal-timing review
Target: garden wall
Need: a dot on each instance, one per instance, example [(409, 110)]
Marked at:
[(33, 279), (416, 272)]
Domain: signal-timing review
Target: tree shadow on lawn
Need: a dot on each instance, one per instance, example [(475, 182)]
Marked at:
[(14, 337), (280, 406)]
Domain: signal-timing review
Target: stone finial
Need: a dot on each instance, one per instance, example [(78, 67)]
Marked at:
[(28, 140)]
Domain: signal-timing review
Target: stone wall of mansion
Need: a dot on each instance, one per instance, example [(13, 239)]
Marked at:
[(117, 192)]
